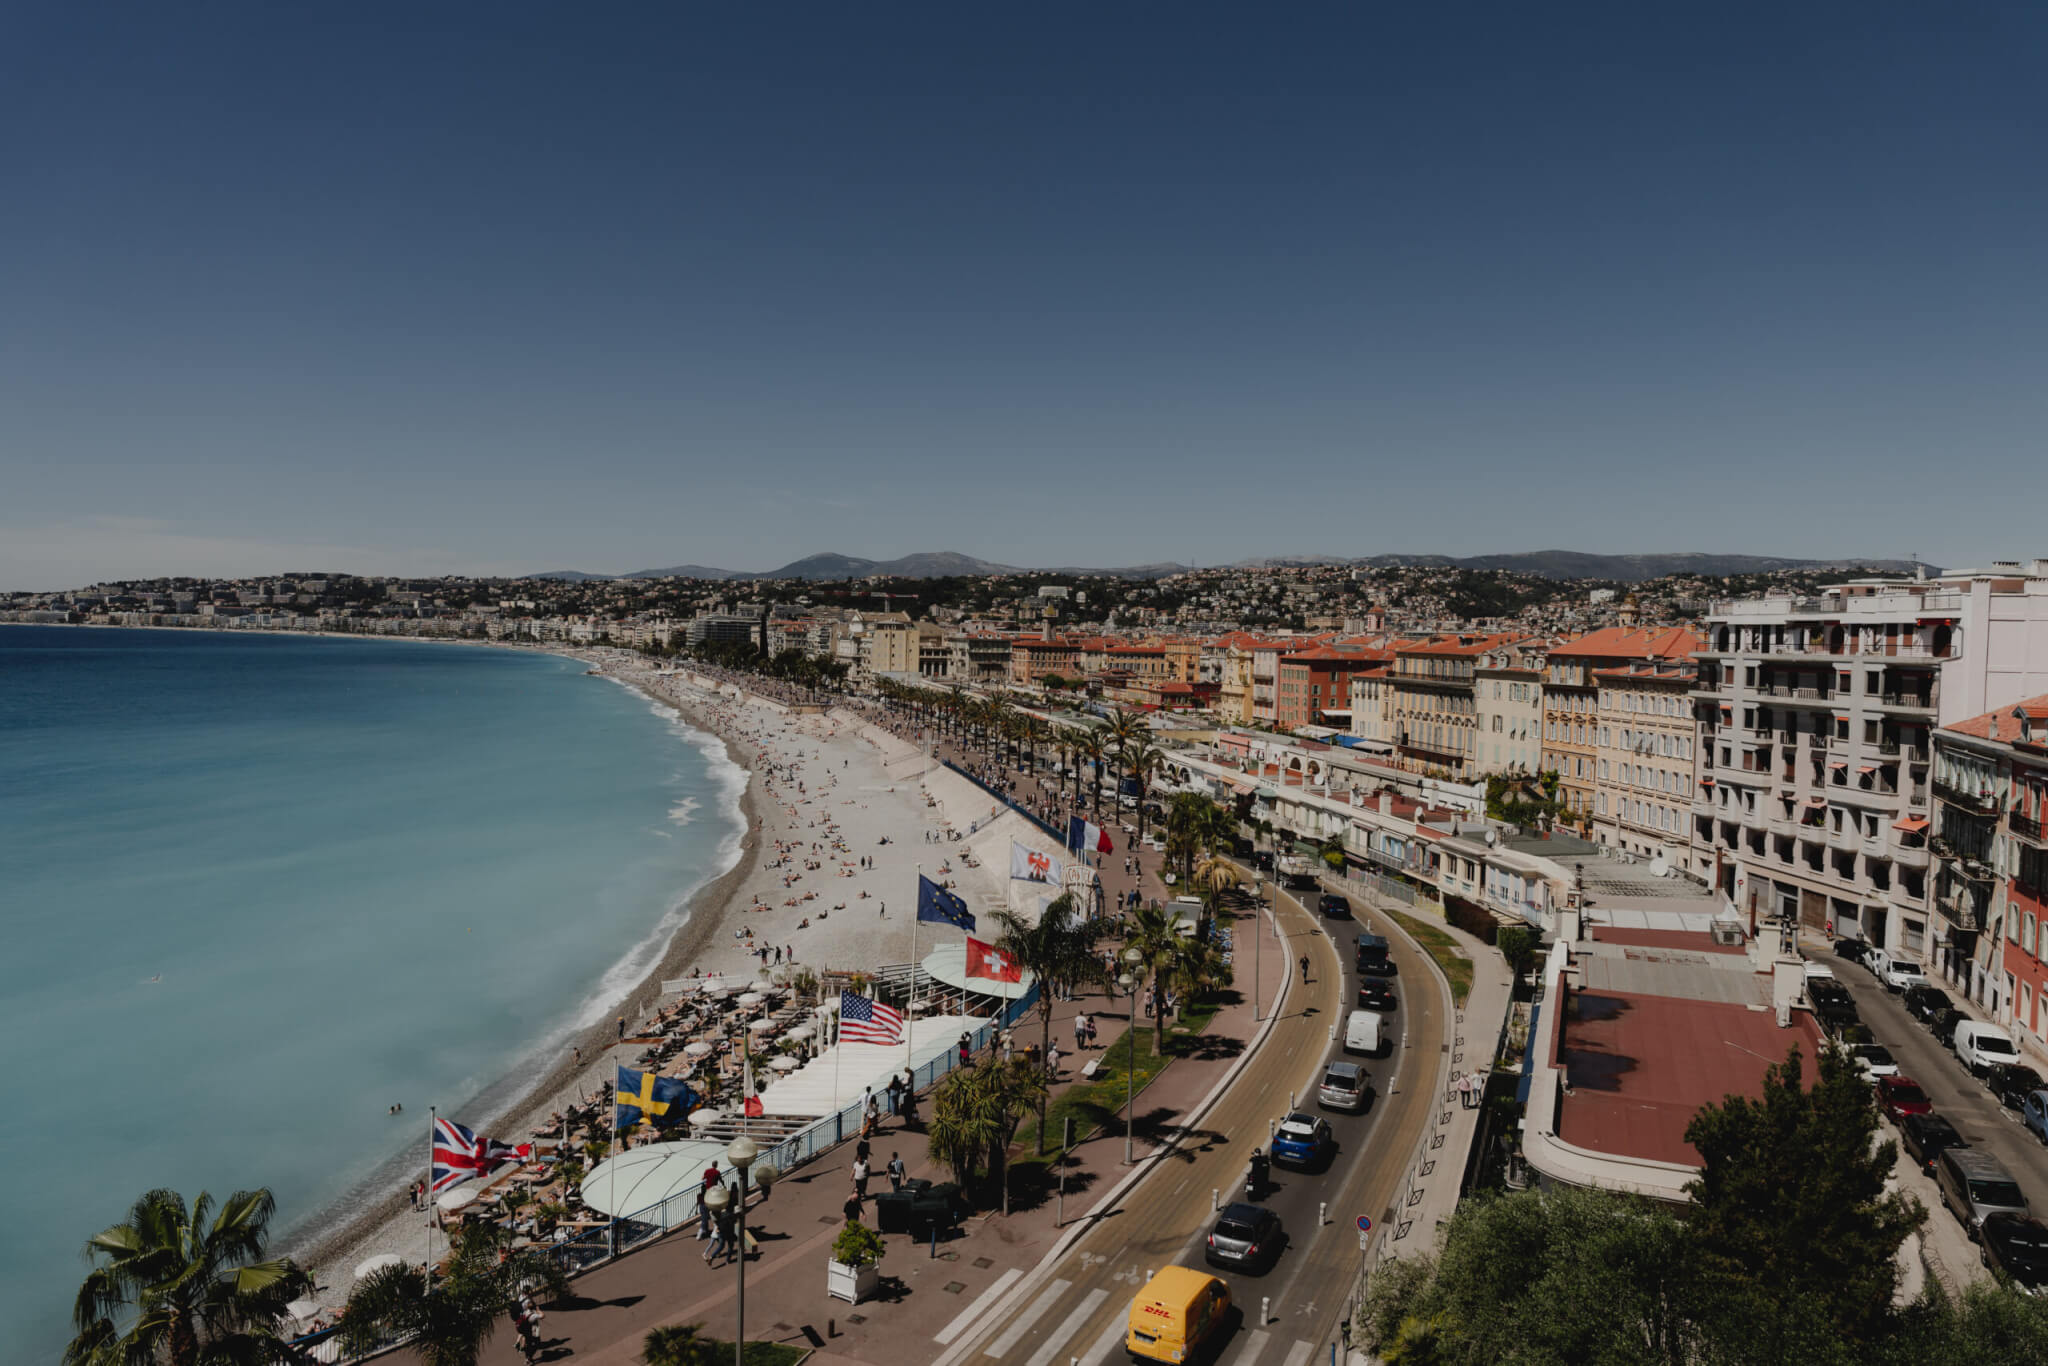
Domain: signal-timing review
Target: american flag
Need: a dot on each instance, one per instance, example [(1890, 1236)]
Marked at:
[(862, 1020), (461, 1153)]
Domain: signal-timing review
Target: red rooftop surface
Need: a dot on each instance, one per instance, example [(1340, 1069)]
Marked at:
[(1640, 1067), (1699, 941)]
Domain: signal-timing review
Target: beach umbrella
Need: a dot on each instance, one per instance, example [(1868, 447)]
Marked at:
[(303, 1310), (802, 1032), (705, 1118), (761, 1027), (752, 998), (714, 984), (377, 1264), (697, 1049), (763, 984), (458, 1198), (784, 1063)]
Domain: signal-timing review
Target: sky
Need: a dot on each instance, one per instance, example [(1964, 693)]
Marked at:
[(504, 288)]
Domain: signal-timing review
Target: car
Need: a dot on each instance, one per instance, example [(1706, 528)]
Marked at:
[(1820, 989), (1345, 1086), (1981, 1047), (1852, 949), (1901, 974), (1837, 1017), (1926, 1137), (1873, 1060), (1246, 1236), (1375, 996), (2013, 1082), (2034, 1114), (1943, 1026), (1301, 1140), (1334, 907), (1924, 1003), (1373, 959), (1975, 1185), (2017, 1248), (1899, 1096)]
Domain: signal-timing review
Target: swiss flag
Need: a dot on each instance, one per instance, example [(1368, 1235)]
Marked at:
[(986, 960)]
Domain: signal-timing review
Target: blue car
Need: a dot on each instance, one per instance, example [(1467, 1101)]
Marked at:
[(1301, 1140)]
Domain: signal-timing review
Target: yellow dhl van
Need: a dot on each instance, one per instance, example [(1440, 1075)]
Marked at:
[(1178, 1314)]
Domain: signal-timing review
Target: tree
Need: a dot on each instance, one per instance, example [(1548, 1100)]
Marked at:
[(974, 1113), (1141, 759), (1794, 1225), (185, 1286), (1518, 946), (1094, 748), (1059, 950), (448, 1322), (1332, 853), (1155, 933), (1212, 877), (680, 1344)]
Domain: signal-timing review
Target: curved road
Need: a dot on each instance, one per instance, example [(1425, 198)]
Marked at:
[(1078, 1310)]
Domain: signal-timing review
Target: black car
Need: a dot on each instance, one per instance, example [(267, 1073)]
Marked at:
[(1926, 1137), (1855, 950), (2017, 1247), (1373, 958), (1375, 996), (1819, 989), (2013, 1082), (1836, 1016), (1246, 1236), (1943, 1025), (1924, 1003), (1333, 906)]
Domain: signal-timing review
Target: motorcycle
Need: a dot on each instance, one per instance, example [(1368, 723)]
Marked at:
[(1255, 1176)]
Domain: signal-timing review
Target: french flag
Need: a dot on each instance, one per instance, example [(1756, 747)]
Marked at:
[(1086, 837)]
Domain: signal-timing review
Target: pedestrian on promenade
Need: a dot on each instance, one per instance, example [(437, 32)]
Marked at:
[(1304, 968), (718, 1243), (1052, 1063), (622, 1027), (1091, 1030), (890, 1094), (860, 1178), (851, 1209), (703, 1216), (1080, 1031), (897, 1171)]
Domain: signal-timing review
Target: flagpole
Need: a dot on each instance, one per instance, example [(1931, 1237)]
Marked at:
[(916, 915), (612, 1198), (433, 1124)]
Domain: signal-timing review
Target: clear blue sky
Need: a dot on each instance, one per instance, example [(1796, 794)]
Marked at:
[(515, 288)]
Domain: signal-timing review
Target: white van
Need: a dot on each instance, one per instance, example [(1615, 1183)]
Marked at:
[(1362, 1032), (1981, 1047)]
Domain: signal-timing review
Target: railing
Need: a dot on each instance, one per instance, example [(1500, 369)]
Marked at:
[(1046, 826), (2025, 826)]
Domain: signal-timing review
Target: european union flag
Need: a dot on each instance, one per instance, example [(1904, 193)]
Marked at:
[(936, 903), (660, 1101)]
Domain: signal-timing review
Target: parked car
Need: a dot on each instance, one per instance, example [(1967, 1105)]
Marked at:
[(2034, 1114), (1975, 1185), (1852, 949), (1926, 1137), (2018, 1249), (1334, 907), (1981, 1047), (1245, 1236), (2013, 1082), (1924, 1003), (1345, 1087), (1899, 1096), (1376, 996), (1836, 1016), (1301, 1140), (1943, 1026), (1826, 989), (1873, 1060), (1901, 974)]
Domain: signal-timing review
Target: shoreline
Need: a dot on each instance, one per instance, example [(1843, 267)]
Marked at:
[(326, 1237)]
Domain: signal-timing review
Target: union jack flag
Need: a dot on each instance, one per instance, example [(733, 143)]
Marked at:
[(461, 1153), (862, 1020)]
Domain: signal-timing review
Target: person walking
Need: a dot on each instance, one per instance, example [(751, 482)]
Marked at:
[(1304, 968), (1091, 1030), (897, 1171), (1080, 1031), (1052, 1063), (860, 1177), (718, 1240)]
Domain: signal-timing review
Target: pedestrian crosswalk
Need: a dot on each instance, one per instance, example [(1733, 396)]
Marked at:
[(1249, 1347), (967, 1317)]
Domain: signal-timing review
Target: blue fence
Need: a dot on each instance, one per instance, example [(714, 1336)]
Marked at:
[(1046, 826)]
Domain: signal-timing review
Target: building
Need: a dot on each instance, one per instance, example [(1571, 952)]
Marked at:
[(1435, 707), (1033, 657), (1990, 882), (1643, 792), (980, 657), (721, 629), (1507, 696), (1313, 686), (1571, 702)]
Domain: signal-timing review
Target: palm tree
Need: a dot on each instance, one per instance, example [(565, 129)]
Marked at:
[(448, 1323), (974, 1113), (1212, 877), (1059, 951), (184, 1286), (1141, 759), (1126, 727), (1195, 965), (1155, 933), (1094, 748), (678, 1344)]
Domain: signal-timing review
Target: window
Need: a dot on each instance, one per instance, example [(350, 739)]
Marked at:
[(2027, 935)]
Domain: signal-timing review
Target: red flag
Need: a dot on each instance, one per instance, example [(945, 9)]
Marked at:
[(752, 1107), (1103, 845), (986, 960)]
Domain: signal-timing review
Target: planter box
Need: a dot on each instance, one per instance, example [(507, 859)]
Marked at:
[(850, 1283)]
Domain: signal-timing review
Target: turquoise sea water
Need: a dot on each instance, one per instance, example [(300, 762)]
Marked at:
[(366, 872)]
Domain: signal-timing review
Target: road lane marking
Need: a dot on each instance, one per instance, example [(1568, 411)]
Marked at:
[(1298, 1354), (1022, 1324), (1106, 1343), (1254, 1343), (982, 1301), (1089, 1305)]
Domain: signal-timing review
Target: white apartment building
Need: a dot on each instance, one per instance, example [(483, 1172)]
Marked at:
[(1642, 797), (1508, 692), (1813, 719)]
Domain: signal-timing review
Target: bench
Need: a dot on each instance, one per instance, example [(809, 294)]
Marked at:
[(1094, 1066)]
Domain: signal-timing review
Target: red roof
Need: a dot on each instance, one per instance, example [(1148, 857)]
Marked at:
[(1462, 645), (1628, 642), (2036, 709)]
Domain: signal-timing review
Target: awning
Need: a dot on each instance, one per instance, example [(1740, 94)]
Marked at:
[(1838, 763), (1816, 801), (1912, 825), (1706, 782), (1868, 768), (1241, 789)]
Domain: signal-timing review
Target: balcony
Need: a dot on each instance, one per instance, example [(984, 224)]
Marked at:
[(2026, 828), (1907, 899), (1817, 741), (1978, 804), (1909, 855), (1848, 841)]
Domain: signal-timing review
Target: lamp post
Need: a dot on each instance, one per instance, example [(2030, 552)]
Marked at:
[(1258, 940), (1129, 982), (740, 1154)]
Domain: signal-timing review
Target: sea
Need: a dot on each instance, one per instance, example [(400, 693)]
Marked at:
[(256, 890)]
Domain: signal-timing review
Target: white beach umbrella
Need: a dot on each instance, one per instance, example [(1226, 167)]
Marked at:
[(714, 984), (784, 1063), (377, 1264), (802, 1032), (763, 984), (458, 1198), (303, 1310), (752, 998), (697, 1049), (761, 1027), (704, 1118)]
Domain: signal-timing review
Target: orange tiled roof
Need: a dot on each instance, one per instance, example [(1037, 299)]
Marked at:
[(1628, 642), (2036, 709)]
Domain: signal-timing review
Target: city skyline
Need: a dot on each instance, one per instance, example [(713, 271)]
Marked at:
[(502, 291)]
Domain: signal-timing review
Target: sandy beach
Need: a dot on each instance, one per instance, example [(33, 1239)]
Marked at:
[(837, 824)]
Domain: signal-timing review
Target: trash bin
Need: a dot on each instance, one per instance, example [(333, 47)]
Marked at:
[(894, 1211)]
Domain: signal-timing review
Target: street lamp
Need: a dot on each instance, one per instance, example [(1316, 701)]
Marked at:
[(1258, 940), (740, 1155), (1129, 982)]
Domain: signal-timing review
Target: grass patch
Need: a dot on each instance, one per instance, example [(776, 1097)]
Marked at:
[(1444, 949), (1093, 1103)]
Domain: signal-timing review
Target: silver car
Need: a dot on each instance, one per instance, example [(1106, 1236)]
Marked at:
[(1344, 1087), (1246, 1236)]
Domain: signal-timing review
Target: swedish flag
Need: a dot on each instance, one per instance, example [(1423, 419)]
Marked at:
[(645, 1097)]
